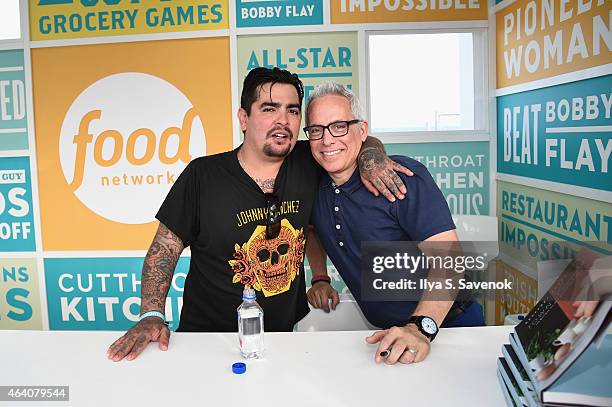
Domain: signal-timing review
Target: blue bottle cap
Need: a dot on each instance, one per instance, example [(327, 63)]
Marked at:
[(238, 368)]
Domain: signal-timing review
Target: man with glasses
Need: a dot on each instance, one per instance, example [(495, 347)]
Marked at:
[(344, 215), (245, 215)]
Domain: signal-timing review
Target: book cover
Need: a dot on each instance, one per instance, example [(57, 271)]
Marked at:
[(520, 375), (515, 391), (550, 337), (505, 391), (588, 381)]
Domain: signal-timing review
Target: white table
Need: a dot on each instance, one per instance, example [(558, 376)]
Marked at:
[(300, 369)]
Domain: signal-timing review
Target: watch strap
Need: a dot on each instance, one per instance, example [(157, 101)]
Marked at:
[(417, 321)]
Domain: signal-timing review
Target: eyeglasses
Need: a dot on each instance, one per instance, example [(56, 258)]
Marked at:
[(336, 129), (273, 224)]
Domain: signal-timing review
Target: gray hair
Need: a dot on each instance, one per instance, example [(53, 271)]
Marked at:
[(334, 88)]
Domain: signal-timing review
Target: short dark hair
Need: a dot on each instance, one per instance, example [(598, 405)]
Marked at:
[(257, 77)]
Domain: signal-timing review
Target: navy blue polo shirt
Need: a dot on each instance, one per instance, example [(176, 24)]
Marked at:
[(348, 214)]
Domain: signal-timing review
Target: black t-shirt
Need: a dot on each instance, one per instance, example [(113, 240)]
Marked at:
[(220, 212)]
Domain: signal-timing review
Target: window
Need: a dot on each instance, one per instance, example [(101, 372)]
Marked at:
[(10, 27), (426, 82)]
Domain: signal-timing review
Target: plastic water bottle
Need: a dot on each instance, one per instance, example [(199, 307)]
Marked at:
[(250, 326)]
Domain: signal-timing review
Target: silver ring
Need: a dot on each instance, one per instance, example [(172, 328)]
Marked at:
[(414, 352)]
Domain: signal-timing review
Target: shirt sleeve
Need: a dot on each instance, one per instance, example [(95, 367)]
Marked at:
[(179, 211), (424, 212)]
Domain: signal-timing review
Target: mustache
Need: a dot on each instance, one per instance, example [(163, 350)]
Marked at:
[(284, 129)]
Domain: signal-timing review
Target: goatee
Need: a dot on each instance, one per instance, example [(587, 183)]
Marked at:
[(270, 151)]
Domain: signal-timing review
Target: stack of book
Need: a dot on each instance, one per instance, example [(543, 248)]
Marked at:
[(561, 353)]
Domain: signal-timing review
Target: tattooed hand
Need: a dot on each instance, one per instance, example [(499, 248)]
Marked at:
[(130, 345), (379, 173), (157, 271)]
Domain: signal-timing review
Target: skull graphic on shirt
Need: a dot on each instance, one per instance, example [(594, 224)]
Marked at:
[(269, 265)]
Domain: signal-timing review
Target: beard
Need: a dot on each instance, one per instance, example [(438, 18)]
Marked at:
[(272, 150)]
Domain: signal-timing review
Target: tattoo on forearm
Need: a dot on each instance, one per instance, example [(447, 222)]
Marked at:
[(158, 269)]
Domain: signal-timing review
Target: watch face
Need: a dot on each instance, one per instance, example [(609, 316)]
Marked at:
[(429, 325)]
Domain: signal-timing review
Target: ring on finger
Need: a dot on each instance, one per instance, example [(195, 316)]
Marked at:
[(414, 352)]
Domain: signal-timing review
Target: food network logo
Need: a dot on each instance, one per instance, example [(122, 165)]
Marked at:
[(123, 143)]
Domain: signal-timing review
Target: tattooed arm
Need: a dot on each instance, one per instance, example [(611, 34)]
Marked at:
[(158, 269), (379, 172), (157, 272)]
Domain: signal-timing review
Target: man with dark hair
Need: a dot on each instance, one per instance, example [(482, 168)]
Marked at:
[(245, 215), (258, 76)]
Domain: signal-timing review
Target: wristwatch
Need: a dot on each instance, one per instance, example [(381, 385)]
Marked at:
[(426, 325)]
